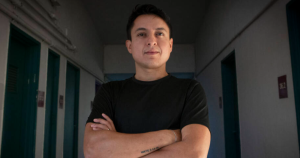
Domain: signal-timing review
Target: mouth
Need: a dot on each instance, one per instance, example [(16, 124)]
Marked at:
[(151, 52)]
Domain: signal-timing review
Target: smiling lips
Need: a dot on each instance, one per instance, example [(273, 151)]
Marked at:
[(151, 52)]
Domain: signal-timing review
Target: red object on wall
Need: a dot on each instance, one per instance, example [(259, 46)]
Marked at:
[(41, 98), (61, 101), (282, 86), (220, 102)]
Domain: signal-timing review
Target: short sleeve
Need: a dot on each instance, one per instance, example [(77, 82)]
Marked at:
[(102, 103), (195, 110)]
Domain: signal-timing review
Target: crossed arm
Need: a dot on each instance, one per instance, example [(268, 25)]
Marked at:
[(192, 141)]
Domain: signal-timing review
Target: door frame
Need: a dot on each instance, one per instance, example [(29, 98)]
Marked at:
[(54, 104), (293, 20), (76, 108)]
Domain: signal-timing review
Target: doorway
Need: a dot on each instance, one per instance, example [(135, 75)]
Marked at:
[(71, 112), (293, 19), (230, 108), (51, 105), (20, 105)]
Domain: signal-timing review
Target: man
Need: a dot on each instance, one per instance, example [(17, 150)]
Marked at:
[(152, 114)]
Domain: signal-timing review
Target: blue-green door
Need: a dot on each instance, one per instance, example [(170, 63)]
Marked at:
[(71, 112), (293, 19), (230, 111), (51, 105), (19, 119)]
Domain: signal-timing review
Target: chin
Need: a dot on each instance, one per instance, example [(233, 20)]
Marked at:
[(151, 64), (154, 66)]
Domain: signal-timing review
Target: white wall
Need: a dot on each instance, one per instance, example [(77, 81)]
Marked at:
[(4, 32), (223, 20), (267, 124), (88, 57), (118, 60), (87, 86), (61, 112)]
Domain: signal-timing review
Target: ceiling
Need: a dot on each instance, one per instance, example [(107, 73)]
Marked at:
[(110, 18)]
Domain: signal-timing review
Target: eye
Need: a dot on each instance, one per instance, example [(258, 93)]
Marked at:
[(159, 34), (141, 34)]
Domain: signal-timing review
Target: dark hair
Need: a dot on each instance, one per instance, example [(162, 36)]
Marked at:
[(146, 9)]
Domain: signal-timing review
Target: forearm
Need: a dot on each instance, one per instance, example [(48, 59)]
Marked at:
[(113, 144), (178, 150), (195, 144)]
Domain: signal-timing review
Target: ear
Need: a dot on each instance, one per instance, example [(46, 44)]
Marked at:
[(128, 45), (171, 44)]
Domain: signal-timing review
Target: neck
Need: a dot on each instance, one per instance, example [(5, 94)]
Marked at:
[(143, 74)]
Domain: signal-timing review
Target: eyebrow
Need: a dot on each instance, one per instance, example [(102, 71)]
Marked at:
[(141, 28), (161, 28)]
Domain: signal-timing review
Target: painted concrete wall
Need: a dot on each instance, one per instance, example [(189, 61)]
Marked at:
[(223, 20), (267, 124), (118, 60), (88, 57), (87, 86), (4, 31)]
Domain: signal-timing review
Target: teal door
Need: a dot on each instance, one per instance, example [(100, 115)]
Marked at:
[(293, 18), (231, 113), (51, 105), (19, 119), (71, 112)]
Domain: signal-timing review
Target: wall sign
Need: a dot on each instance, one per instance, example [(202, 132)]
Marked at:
[(282, 86), (41, 98), (61, 101)]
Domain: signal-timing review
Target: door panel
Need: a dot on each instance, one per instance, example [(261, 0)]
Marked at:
[(231, 114), (19, 118), (14, 102)]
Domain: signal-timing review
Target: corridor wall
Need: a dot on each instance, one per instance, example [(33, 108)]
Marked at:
[(257, 32), (73, 21)]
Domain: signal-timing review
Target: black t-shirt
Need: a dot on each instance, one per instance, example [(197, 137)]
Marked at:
[(143, 106)]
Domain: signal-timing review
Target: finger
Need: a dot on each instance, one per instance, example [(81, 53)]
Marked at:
[(101, 121), (109, 120), (96, 120), (97, 129), (104, 122), (99, 126)]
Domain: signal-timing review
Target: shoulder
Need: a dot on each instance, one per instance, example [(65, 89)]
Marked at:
[(190, 85), (112, 87), (115, 84)]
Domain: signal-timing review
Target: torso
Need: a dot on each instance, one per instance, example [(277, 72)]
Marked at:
[(149, 106)]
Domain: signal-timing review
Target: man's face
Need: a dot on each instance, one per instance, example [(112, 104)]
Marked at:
[(150, 43)]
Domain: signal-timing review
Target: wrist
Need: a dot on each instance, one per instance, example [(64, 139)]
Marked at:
[(169, 137), (175, 136)]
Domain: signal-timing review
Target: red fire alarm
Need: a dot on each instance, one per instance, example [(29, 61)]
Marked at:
[(220, 102), (282, 86), (61, 101), (41, 98)]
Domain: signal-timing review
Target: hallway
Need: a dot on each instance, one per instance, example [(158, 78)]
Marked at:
[(56, 54)]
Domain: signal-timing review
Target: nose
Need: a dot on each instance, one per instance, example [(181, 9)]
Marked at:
[(151, 41)]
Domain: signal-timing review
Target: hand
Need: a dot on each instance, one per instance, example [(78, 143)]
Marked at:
[(178, 134), (104, 124)]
